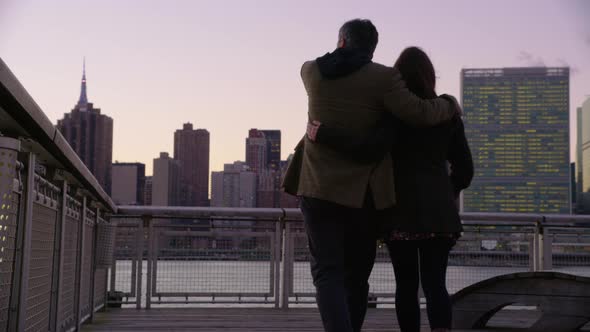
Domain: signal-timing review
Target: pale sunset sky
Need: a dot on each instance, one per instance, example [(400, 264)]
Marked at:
[(229, 66)]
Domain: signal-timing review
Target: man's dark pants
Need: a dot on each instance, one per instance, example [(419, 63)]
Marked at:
[(342, 243)]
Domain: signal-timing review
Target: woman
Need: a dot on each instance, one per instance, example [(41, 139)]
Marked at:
[(424, 225)]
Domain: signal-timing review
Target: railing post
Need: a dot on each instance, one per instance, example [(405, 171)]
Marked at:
[(148, 294), (537, 265), (543, 247), (134, 269), (139, 253), (547, 250), (286, 275), (93, 265), (18, 303), (532, 253), (291, 285), (106, 289), (277, 260), (113, 285), (79, 265), (155, 262), (58, 266)]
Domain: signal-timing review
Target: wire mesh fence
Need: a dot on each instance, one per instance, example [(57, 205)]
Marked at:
[(198, 261), (185, 256), (481, 253), (212, 261), (485, 252), (122, 274), (570, 250)]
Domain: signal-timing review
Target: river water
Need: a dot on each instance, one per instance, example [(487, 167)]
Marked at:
[(254, 277)]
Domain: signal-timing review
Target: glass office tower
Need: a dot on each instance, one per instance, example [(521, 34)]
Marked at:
[(517, 124)]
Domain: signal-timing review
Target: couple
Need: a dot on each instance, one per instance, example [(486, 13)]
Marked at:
[(372, 165)]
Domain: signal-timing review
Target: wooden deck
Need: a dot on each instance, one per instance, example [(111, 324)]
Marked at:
[(266, 319)]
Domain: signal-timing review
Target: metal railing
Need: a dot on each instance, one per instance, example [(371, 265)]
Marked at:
[(49, 281), (219, 256), (50, 205)]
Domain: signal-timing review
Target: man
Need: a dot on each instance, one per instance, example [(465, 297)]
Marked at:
[(340, 197)]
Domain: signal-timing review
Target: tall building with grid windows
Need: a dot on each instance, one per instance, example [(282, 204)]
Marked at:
[(273, 149), (583, 159), (256, 150), (517, 125), (191, 149)]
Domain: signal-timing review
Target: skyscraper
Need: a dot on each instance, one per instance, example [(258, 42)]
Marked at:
[(273, 149), (90, 134), (147, 192), (191, 149), (234, 187), (583, 159), (267, 193), (128, 183), (263, 149), (263, 156), (517, 125), (256, 150), (166, 181)]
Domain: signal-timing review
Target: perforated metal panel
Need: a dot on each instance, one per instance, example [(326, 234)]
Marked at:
[(87, 268), (68, 281), (8, 221), (41, 264), (105, 243), (100, 286)]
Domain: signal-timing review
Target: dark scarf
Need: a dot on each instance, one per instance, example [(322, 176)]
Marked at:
[(342, 62)]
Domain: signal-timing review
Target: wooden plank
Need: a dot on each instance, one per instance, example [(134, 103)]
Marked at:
[(267, 319)]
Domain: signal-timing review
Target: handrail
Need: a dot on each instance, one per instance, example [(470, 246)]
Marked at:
[(277, 214), (23, 118)]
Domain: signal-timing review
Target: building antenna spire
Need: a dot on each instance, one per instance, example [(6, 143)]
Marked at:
[(83, 101)]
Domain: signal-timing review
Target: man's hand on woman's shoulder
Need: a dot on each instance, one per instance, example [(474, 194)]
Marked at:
[(312, 130)]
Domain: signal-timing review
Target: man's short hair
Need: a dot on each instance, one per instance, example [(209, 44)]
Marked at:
[(359, 34)]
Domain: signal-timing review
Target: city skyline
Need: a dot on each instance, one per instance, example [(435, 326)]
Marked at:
[(160, 74)]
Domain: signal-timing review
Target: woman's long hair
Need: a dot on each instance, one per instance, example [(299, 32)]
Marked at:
[(418, 72)]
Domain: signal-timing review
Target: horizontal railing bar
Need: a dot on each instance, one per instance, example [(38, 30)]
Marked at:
[(205, 294), (269, 302), (218, 232), (492, 216), (279, 214), (196, 212), (126, 218), (121, 302), (308, 294), (486, 225)]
